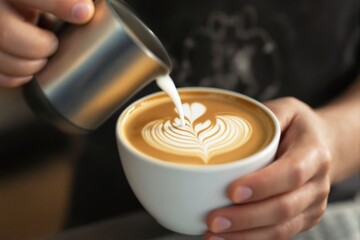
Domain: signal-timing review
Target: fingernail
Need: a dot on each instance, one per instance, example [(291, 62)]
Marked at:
[(81, 11), (217, 238), (242, 194), (220, 224)]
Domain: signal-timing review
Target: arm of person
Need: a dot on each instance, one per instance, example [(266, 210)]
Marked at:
[(343, 116), (318, 147), (24, 47)]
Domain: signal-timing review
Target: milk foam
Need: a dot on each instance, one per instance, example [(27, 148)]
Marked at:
[(203, 139)]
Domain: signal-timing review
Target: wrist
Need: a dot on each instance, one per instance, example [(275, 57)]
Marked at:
[(342, 126), (330, 126)]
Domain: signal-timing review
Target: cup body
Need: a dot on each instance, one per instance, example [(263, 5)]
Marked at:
[(180, 196), (97, 67)]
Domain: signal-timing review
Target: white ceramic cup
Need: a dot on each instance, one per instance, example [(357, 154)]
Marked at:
[(180, 196)]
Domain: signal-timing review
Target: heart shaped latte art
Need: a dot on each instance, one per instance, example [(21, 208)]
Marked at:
[(201, 139)]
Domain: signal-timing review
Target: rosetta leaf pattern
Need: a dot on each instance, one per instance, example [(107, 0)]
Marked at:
[(198, 139)]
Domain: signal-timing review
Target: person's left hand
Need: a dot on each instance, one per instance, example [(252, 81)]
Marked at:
[(288, 196)]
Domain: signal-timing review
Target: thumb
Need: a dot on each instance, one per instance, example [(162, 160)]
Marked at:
[(74, 11)]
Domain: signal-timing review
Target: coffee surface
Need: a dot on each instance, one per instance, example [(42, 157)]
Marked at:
[(219, 128)]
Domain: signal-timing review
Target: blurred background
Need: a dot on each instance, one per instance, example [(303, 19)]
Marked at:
[(52, 181), (36, 171)]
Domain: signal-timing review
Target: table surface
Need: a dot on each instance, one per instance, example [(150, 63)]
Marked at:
[(135, 226), (341, 221)]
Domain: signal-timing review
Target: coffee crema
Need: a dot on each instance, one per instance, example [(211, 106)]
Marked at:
[(220, 128)]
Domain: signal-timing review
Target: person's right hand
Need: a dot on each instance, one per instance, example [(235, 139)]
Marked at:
[(24, 47)]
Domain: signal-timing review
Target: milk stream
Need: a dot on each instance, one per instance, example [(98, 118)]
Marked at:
[(167, 85)]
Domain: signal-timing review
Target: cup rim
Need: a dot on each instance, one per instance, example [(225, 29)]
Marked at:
[(273, 144)]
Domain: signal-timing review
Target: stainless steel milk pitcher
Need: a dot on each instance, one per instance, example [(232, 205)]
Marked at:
[(97, 67)]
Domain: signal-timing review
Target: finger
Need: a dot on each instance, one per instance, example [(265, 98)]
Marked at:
[(314, 214), (22, 39), (27, 14), (19, 67), (265, 213), (289, 172), (75, 11), (12, 82), (285, 110), (285, 230)]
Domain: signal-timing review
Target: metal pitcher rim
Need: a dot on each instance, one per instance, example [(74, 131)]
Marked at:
[(117, 7)]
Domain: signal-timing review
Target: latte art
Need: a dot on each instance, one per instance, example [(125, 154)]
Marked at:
[(206, 139), (219, 128)]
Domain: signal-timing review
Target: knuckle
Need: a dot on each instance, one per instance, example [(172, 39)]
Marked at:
[(298, 174), (261, 182), (281, 232), (44, 46), (322, 155), (317, 220), (313, 222), (321, 210), (325, 157), (292, 101), (310, 225), (324, 193), (317, 215), (300, 106), (285, 209), (4, 35)]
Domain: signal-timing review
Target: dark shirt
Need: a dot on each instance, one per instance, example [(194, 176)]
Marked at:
[(264, 49)]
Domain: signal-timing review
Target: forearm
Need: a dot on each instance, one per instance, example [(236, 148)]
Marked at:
[(343, 116)]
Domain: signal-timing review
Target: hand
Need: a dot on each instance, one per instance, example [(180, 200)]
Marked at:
[(288, 196), (24, 47)]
